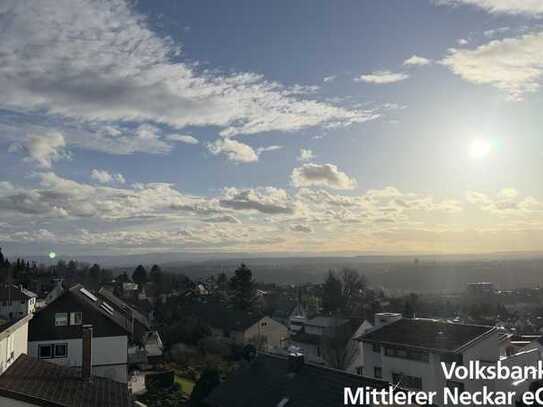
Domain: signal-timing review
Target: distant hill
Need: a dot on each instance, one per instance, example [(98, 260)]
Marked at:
[(424, 273)]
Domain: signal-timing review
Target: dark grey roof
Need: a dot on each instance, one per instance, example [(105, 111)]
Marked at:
[(428, 334), (267, 381), (46, 384), (42, 326), (125, 309)]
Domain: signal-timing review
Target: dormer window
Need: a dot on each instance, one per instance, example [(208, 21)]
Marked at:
[(61, 319)]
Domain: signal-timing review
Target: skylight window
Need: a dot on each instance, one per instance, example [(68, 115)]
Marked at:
[(88, 294), (107, 308)]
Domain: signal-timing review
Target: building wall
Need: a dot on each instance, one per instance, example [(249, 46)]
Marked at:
[(275, 333), (109, 355), (431, 372), (13, 345)]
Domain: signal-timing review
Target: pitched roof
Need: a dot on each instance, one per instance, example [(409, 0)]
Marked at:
[(267, 381), (15, 293), (326, 322), (125, 309), (47, 384), (105, 323), (428, 334)]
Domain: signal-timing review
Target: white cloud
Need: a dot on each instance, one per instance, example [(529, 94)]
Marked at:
[(104, 177), (327, 175), (416, 60), (305, 155), (267, 200), (382, 77), (330, 78), (261, 150), (183, 138), (94, 64), (507, 202), (527, 7), (234, 150), (43, 150), (514, 65), (462, 41)]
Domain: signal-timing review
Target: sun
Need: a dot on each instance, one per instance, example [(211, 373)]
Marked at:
[(52, 255), (479, 148)]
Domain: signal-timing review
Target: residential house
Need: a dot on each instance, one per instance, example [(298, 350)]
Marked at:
[(242, 327), (55, 333), (297, 318), (16, 302), (145, 345), (409, 352), (355, 363), (279, 381), (13, 341), (31, 382), (316, 332)]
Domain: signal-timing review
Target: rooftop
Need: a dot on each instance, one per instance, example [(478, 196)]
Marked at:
[(266, 382), (15, 293), (46, 384), (428, 334)]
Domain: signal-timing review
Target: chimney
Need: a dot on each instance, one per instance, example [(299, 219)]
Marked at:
[(295, 362), (86, 365)]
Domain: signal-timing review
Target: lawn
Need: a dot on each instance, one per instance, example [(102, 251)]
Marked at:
[(186, 384)]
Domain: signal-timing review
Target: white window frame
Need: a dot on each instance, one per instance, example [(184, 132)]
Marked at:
[(58, 315), (73, 320)]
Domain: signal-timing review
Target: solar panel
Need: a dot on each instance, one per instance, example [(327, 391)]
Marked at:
[(88, 294)]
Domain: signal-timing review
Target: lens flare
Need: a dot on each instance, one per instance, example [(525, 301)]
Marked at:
[(480, 148)]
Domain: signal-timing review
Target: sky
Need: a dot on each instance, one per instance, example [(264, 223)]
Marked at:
[(361, 126)]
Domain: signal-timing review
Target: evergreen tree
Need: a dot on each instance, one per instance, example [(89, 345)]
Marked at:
[(139, 275), (242, 288), (332, 294), (155, 274)]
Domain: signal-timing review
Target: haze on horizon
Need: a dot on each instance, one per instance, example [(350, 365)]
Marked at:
[(252, 126)]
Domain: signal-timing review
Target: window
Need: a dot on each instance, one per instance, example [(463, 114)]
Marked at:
[(378, 372), (45, 351), (76, 318), (61, 319), (359, 370), (409, 382), (61, 350), (263, 324), (376, 348), (54, 350)]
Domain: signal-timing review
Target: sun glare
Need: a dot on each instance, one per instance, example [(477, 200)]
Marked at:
[(52, 255), (479, 148)]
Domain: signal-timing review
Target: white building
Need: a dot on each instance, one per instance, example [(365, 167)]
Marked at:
[(409, 352), (55, 334), (16, 302), (13, 341)]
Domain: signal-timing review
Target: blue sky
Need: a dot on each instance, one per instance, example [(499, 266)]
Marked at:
[(360, 126)]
